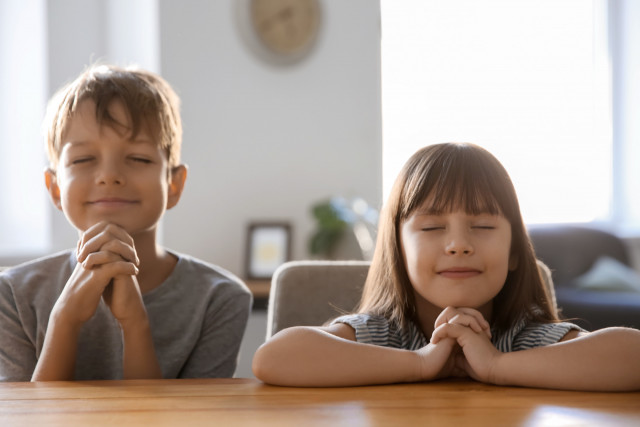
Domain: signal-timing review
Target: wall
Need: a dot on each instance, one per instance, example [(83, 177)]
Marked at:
[(265, 142), (261, 142)]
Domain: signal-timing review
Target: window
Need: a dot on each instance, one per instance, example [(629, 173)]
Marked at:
[(122, 32), (24, 210), (528, 80)]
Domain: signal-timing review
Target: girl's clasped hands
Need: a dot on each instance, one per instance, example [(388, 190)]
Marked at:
[(461, 341)]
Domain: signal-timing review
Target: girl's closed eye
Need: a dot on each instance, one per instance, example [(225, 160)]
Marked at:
[(432, 227), (483, 227)]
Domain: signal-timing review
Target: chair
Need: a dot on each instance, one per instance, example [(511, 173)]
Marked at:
[(572, 251), (309, 293)]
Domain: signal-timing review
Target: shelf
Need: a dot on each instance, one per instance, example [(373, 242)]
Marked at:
[(259, 288)]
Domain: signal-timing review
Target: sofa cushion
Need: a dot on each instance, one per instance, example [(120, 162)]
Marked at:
[(571, 250), (608, 274)]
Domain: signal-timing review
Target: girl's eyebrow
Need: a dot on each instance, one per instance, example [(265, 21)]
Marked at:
[(432, 212), (427, 212)]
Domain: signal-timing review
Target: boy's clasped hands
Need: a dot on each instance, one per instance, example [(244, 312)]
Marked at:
[(107, 268), (460, 346)]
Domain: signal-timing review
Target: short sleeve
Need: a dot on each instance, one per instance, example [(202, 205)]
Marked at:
[(17, 352), (370, 329), (216, 352), (542, 334), (377, 330)]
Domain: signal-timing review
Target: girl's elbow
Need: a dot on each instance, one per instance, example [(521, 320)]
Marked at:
[(269, 361), (261, 362), (276, 360)]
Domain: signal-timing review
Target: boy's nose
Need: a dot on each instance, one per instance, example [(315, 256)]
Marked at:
[(110, 174)]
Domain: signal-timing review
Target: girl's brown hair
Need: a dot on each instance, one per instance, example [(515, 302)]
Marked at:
[(147, 98), (455, 176)]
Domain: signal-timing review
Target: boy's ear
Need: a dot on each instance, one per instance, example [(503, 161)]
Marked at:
[(51, 181), (176, 185)]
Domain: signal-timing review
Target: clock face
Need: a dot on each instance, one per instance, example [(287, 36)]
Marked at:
[(285, 26), (280, 31)]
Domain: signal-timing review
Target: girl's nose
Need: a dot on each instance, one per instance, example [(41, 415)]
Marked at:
[(459, 244)]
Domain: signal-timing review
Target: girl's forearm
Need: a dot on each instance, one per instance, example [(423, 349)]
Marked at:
[(57, 361), (304, 356), (604, 360), (139, 358)]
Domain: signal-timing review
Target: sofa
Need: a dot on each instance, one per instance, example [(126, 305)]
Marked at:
[(595, 285)]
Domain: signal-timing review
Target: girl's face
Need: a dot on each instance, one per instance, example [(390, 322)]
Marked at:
[(456, 259)]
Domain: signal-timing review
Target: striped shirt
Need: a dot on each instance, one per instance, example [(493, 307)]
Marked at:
[(377, 330)]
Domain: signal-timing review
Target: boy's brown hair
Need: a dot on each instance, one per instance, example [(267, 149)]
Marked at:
[(148, 99)]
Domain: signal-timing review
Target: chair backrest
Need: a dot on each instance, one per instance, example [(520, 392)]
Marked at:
[(309, 293), (571, 250)]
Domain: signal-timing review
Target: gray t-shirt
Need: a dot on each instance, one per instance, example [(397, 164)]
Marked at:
[(377, 330), (197, 316)]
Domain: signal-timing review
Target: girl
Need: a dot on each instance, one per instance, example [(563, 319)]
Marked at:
[(453, 290)]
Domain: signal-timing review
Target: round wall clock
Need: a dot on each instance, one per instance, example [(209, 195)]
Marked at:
[(280, 31)]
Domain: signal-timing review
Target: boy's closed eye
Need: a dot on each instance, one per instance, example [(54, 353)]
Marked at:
[(80, 160), (141, 159)]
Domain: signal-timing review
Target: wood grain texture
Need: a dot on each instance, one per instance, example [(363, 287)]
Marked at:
[(249, 402)]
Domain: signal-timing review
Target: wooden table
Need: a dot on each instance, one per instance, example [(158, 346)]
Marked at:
[(248, 402)]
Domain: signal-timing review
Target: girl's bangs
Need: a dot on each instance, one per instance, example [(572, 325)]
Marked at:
[(462, 180), (461, 193)]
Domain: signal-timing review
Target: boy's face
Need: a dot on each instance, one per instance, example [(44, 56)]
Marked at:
[(102, 175)]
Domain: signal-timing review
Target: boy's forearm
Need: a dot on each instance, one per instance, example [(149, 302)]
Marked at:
[(57, 360), (604, 360), (311, 357), (139, 359)]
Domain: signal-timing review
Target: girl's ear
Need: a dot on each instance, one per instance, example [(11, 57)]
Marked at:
[(513, 262), (176, 185), (51, 181)]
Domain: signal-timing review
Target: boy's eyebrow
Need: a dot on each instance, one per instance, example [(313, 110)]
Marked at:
[(74, 143), (142, 140)]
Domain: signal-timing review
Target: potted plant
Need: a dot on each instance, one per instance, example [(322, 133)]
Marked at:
[(344, 229)]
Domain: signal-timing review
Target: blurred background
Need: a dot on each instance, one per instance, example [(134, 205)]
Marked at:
[(550, 87)]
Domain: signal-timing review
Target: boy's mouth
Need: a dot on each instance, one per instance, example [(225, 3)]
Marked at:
[(112, 202)]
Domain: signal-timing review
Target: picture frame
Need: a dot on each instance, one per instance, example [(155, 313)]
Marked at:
[(268, 246)]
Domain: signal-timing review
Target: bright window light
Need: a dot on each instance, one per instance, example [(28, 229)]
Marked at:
[(525, 79), (24, 208)]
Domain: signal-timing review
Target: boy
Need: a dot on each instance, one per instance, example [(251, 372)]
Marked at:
[(120, 305)]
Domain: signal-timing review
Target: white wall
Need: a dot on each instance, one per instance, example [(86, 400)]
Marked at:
[(262, 143)]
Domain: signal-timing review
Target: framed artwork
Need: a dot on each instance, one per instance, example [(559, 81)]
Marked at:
[(268, 246)]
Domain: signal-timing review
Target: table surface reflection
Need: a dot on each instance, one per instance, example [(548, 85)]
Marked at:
[(250, 402)]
